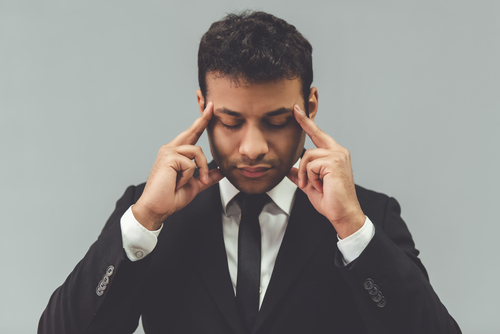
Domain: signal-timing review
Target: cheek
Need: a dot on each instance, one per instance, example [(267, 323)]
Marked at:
[(289, 137), (220, 141), (288, 144)]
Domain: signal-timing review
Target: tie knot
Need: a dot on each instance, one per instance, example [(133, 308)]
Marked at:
[(252, 203)]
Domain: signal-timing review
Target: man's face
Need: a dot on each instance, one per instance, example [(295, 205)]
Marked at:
[(253, 134)]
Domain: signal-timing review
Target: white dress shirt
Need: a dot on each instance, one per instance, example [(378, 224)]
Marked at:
[(139, 242)]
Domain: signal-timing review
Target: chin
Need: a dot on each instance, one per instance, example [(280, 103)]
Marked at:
[(258, 186)]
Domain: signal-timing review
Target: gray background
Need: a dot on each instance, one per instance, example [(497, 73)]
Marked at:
[(89, 90)]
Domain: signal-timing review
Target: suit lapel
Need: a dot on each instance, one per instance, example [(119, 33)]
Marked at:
[(212, 258), (305, 230)]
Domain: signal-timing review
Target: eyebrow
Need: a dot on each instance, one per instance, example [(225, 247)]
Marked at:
[(279, 111)]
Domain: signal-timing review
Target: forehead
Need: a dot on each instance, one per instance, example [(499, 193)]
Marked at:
[(244, 97)]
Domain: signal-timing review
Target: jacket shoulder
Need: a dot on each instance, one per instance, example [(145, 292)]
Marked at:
[(373, 204)]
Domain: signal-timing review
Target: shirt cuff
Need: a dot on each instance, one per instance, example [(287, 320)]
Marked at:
[(352, 246), (137, 240)]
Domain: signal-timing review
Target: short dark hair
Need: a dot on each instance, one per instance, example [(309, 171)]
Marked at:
[(255, 47)]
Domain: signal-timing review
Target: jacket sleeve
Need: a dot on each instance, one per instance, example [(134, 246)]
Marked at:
[(101, 293), (390, 284)]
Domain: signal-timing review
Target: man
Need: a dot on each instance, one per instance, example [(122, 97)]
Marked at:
[(268, 238)]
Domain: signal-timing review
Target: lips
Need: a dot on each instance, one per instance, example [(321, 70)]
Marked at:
[(253, 171)]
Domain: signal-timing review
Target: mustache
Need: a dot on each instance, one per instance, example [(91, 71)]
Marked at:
[(255, 162)]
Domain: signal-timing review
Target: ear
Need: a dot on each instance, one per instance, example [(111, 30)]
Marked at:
[(313, 102), (201, 101)]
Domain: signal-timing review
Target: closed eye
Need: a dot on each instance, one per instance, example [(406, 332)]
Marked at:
[(277, 126), (278, 122), (231, 127)]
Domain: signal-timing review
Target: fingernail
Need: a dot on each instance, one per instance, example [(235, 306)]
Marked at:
[(298, 109)]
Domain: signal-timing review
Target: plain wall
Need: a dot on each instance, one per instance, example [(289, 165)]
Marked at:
[(89, 91)]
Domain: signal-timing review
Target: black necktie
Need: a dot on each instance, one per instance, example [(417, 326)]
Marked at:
[(249, 247)]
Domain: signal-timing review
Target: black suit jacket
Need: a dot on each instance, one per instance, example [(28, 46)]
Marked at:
[(184, 286)]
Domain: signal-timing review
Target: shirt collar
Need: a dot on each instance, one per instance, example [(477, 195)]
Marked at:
[(282, 195)]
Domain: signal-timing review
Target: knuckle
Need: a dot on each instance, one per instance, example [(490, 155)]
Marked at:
[(346, 152), (164, 148), (190, 164), (199, 155), (164, 152), (340, 158), (309, 155), (198, 149)]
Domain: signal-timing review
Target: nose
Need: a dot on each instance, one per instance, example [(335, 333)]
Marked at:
[(253, 144)]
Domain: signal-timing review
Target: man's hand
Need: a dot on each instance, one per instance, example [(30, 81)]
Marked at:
[(171, 185), (325, 175)]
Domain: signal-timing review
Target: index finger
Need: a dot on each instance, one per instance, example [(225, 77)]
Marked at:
[(194, 132), (318, 137)]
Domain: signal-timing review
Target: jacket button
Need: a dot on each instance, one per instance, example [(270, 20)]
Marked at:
[(382, 303), (368, 284), (110, 271), (377, 298), (102, 285), (373, 291)]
